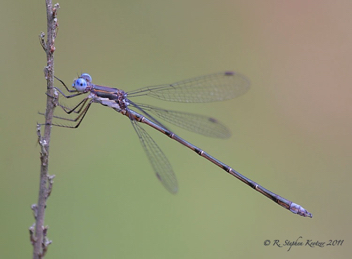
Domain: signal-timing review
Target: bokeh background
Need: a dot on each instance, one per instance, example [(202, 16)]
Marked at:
[(291, 131)]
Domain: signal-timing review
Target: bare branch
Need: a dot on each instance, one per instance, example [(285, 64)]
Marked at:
[(38, 233)]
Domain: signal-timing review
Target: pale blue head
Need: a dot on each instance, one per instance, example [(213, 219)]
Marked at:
[(81, 83)]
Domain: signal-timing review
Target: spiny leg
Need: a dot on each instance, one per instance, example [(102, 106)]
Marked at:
[(77, 109), (79, 118)]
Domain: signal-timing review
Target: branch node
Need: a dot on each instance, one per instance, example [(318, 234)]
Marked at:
[(56, 9), (42, 41), (42, 142), (50, 185), (46, 241), (32, 238), (34, 207), (55, 98)]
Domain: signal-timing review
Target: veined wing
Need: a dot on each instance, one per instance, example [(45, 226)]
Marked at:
[(158, 160), (209, 88), (197, 123)]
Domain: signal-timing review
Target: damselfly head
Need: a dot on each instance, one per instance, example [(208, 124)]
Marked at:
[(81, 84)]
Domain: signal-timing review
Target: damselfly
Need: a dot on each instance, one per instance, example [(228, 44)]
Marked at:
[(209, 88)]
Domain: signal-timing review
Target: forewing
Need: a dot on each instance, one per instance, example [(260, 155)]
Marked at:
[(209, 88)]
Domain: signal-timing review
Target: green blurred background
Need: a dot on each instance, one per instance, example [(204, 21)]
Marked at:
[(291, 131)]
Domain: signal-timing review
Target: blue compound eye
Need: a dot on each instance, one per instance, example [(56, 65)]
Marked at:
[(80, 84), (87, 77)]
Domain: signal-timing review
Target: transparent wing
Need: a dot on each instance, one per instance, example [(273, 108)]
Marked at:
[(197, 123), (209, 88), (158, 160)]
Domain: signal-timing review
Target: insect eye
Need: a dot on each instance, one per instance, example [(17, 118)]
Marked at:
[(80, 84), (86, 77)]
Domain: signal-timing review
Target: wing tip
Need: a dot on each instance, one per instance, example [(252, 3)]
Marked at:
[(229, 73)]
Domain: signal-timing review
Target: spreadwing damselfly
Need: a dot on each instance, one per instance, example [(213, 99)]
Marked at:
[(209, 88)]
